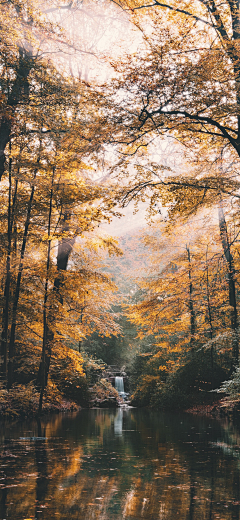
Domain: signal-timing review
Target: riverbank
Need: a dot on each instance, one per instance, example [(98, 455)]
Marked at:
[(22, 401), (223, 407), (214, 409)]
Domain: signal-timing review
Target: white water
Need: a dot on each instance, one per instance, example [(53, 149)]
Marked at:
[(118, 422), (119, 384)]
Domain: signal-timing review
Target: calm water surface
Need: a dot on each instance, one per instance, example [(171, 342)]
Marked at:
[(121, 464)]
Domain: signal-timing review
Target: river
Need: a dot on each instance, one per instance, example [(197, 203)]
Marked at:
[(120, 464)]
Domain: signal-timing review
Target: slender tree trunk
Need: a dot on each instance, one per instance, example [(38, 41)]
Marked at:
[(65, 247), (46, 346), (231, 280), (5, 315), (208, 299), (10, 378), (209, 313), (7, 286), (5, 132), (191, 307)]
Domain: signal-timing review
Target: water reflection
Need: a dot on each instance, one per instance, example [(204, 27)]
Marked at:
[(41, 456), (118, 422), (121, 464)]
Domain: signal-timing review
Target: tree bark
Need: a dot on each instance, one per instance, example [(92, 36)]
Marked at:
[(210, 321), (191, 307), (46, 346), (65, 247), (17, 94), (209, 314), (10, 375), (7, 286), (5, 314), (230, 279)]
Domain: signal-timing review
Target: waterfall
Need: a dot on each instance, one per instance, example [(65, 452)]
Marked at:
[(119, 385)]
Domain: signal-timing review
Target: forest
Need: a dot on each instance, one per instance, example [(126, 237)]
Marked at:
[(119, 213)]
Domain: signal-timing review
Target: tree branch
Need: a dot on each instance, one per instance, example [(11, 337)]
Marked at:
[(201, 119), (175, 9)]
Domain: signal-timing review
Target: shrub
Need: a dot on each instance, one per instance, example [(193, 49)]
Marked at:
[(104, 394), (231, 387), (67, 373), (192, 382), (147, 391), (20, 400), (93, 368)]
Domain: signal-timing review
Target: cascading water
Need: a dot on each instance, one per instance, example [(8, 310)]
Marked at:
[(119, 385)]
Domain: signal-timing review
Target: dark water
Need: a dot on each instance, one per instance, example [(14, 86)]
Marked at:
[(123, 464)]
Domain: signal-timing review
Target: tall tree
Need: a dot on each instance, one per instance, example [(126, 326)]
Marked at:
[(185, 300), (226, 245), (187, 80)]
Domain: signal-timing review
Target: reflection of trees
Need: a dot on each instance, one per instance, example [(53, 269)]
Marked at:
[(3, 498), (192, 493), (190, 478), (42, 470), (79, 468), (212, 492)]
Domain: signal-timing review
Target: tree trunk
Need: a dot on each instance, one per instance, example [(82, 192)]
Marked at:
[(5, 313), (10, 378), (208, 299), (65, 247), (191, 307), (209, 314), (230, 279), (46, 346), (5, 131), (18, 93)]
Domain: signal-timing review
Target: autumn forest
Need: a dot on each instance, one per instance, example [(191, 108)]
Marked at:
[(120, 204)]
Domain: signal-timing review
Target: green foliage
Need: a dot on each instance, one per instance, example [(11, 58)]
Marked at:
[(116, 349), (93, 368), (232, 390), (192, 382), (68, 375), (188, 384), (148, 362), (102, 347), (197, 374), (27, 360), (147, 391)]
